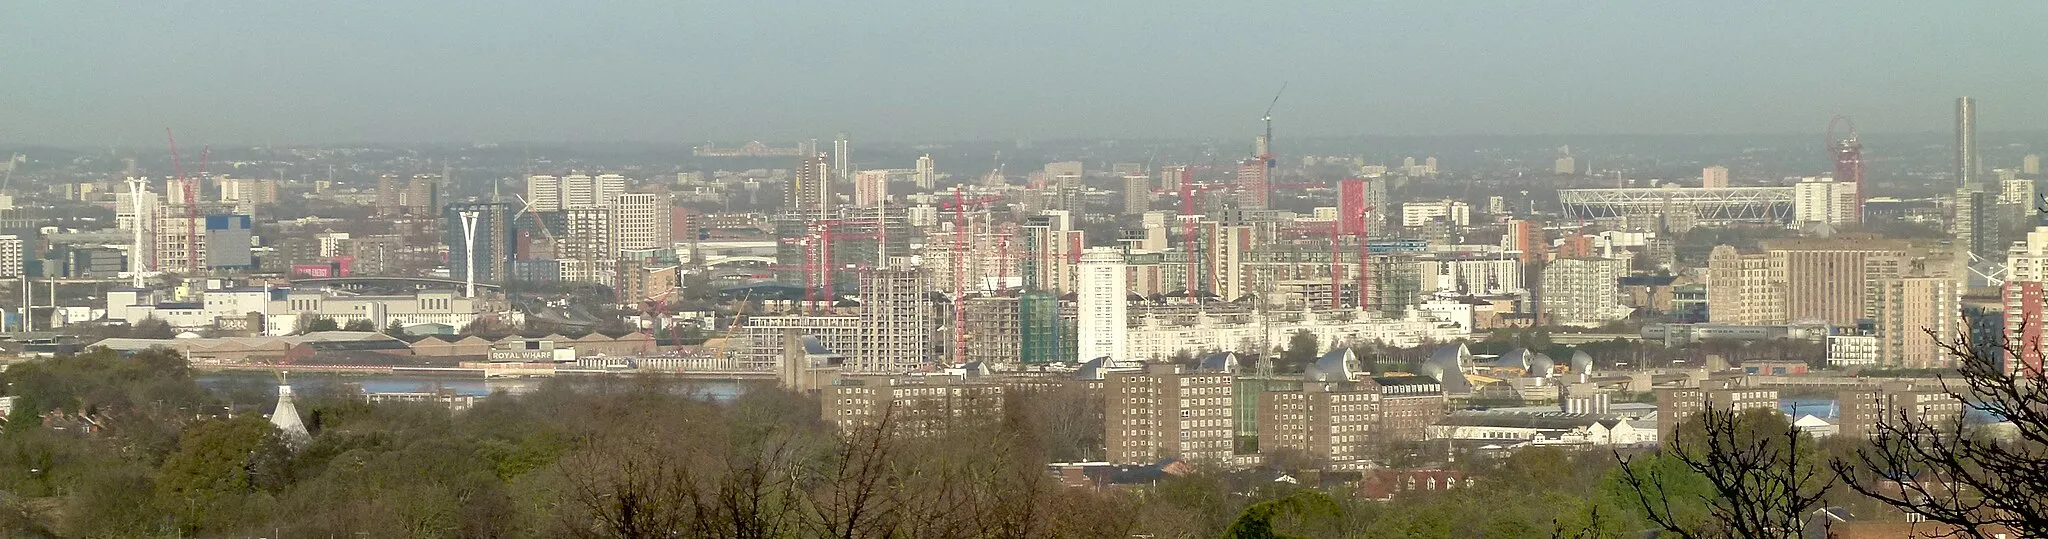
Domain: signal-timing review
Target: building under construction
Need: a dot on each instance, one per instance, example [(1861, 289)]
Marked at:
[(827, 254), (897, 321)]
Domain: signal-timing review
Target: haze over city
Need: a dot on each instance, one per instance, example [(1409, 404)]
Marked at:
[(1035, 269), (892, 70)]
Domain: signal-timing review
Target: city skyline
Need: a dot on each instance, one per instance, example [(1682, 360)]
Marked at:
[(677, 72)]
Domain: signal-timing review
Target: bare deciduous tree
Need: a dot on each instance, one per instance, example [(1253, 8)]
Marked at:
[(1760, 473), (1949, 470)]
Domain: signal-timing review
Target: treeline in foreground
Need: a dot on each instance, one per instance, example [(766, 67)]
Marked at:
[(106, 446)]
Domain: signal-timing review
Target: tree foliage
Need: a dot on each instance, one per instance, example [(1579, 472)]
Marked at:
[(321, 323), (1732, 474)]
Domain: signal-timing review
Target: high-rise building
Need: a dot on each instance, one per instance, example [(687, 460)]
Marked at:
[(2024, 304), (246, 194), (1741, 290), (927, 174), (1362, 206), (1065, 168), (1526, 239), (870, 188), (1714, 177), (1565, 166), (493, 230), (1252, 184), (2017, 191), (1103, 298), (1975, 225), (842, 158), (227, 242), (1832, 281), (582, 191), (1967, 161), (1583, 292), (1052, 247), (2027, 259), (174, 191), (180, 244), (640, 222), (2031, 165), (422, 195), (390, 191), (809, 192), (583, 244), (1913, 312), (11, 248), (1168, 411), (543, 193), (1817, 200), (1172, 177), (897, 322), (1137, 194)]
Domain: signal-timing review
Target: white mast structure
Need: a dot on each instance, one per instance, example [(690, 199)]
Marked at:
[(469, 218), (138, 190)]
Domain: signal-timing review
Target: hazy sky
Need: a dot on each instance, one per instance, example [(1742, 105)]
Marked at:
[(101, 72)]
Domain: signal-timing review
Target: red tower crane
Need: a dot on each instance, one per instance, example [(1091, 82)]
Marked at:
[(1847, 153), (959, 258), (1187, 231), (1353, 219)]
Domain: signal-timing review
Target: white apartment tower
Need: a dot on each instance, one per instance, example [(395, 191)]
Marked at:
[(2028, 260), (927, 176), (1104, 317), (574, 191), (543, 193), (639, 221), (10, 256), (842, 158), (1583, 292), (1820, 200)]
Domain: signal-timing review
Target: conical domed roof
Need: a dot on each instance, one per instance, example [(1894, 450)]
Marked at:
[(286, 418)]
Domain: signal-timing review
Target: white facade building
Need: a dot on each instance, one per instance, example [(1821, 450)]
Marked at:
[(10, 256), (574, 191), (1457, 212), (1583, 292), (425, 307), (927, 175), (544, 193), (1104, 305), (2027, 260), (639, 221), (1471, 275), (1845, 350), (1160, 337), (1821, 200)]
